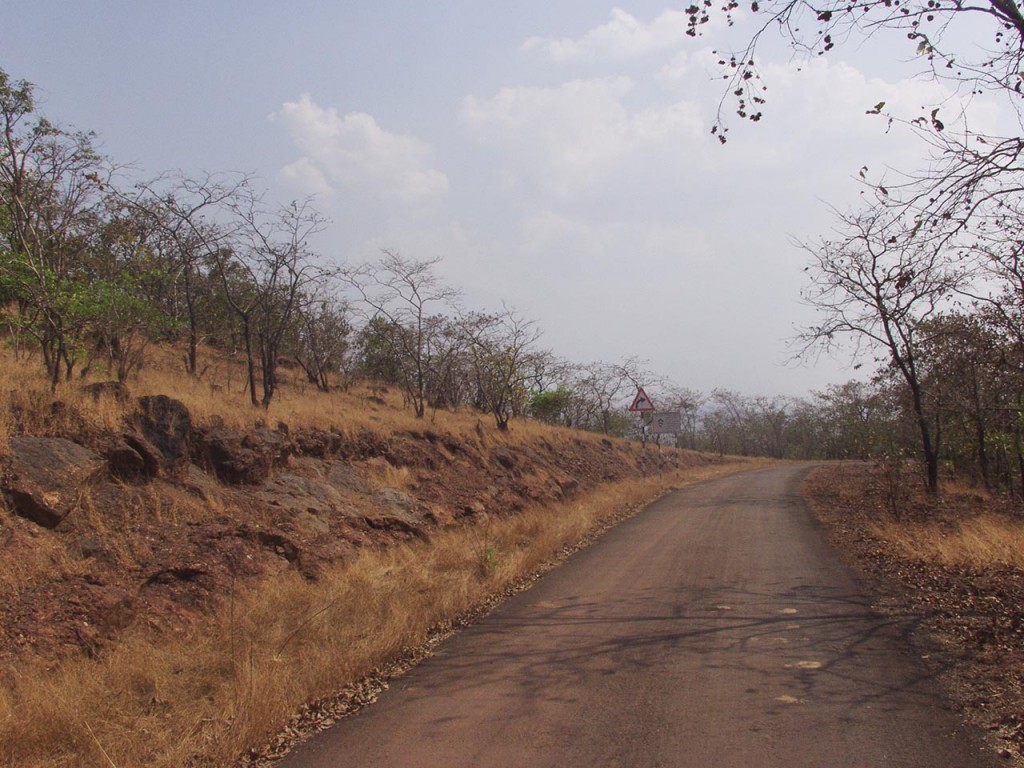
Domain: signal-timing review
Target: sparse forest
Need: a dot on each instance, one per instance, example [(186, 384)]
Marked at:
[(411, 457), (95, 265)]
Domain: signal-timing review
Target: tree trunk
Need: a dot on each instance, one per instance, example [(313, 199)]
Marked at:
[(192, 359), (269, 373), (250, 362), (930, 450), (1020, 459)]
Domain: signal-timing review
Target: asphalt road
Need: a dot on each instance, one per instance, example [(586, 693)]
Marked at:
[(715, 629)]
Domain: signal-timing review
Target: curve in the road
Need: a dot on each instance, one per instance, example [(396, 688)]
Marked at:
[(716, 628)]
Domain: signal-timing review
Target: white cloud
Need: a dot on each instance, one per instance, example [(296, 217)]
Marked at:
[(579, 137), (679, 67), (352, 152), (304, 175), (816, 117), (623, 37)]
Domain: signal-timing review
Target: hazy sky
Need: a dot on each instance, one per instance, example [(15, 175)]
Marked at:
[(556, 155)]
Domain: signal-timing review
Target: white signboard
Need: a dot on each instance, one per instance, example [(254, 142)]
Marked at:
[(666, 423)]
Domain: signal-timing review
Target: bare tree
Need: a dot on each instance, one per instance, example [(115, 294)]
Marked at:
[(504, 361), (321, 335), (942, 35), (732, 422), (877, 287), (404, 294), (193, 217), (264, 275)]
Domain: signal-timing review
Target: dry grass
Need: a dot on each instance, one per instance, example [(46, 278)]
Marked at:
[(39, 556), (204, 697), (218, 396), (206, 693), (984, 540), (26, 404), (965, 526)]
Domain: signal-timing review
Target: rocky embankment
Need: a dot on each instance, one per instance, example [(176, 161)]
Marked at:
[(160, 521)]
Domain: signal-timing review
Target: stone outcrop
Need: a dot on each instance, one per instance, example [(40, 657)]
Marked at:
[(46, 476), (126, 463), (163, 434), (242, 458)]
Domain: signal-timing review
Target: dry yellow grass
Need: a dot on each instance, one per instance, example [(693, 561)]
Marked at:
[(218, 396), (963, 530), (987, 539), (204, 697), (205, 694), (26, 403)]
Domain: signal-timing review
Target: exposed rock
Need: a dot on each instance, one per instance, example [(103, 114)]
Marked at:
[(201, 484), (364, 444), (242, 458), (152, 458), (90, 547), (343, 477), (397, 511), (439, 516), (277, 444), (126, 463), (296, 494), (233, 456), (46, 476), (318, 443), (280, 543), (173, 574), (395, 523), (394, 499), (167, 425), (309, 526), (115, 390), (504, 457), (404, 452)]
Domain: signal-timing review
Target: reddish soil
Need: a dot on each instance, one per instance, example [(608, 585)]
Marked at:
[(970, 619), (161, 553)]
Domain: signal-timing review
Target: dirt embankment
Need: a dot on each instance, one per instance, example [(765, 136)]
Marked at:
[(156, 524), (945, 561)]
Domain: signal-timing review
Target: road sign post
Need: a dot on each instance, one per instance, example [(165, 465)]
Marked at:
[(667, 423), (643, 405)]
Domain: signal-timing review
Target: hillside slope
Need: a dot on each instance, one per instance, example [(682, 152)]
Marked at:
[(123, 548), (180, 575)]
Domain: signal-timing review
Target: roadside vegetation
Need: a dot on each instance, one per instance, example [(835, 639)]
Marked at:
[(953, 564), (225, 688), (205, 289), (214, 677)]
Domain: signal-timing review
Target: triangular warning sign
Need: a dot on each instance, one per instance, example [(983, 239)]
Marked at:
[(641, 402)]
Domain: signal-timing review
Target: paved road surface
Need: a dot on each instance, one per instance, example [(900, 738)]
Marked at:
[(714, 630)]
